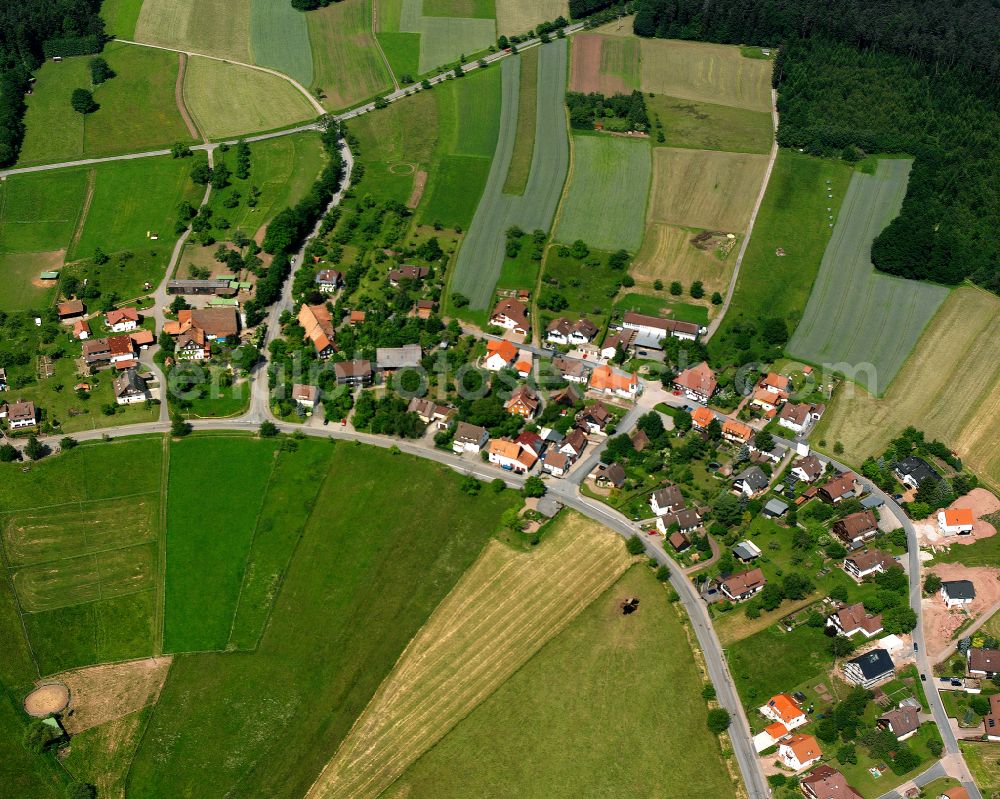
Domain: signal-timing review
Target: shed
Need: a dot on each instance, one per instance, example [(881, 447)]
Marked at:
[(871, 502), (775, 508)]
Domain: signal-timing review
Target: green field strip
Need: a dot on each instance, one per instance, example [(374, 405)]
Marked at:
[(608, 192), (279, 39), (859, 322), (120, 17), (480, 259), (444, 39), (527, 109)]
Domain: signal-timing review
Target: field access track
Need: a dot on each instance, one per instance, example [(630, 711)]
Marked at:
[(862, 323), (481, 256)]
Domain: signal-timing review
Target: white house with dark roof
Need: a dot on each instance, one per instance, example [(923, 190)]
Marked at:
[(957, 593), (130, 388)]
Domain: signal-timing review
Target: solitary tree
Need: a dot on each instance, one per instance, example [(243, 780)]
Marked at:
[(697, 290), (533, 487), (634, 545), (100, 71), (268, 429), (83, 102), (8, 453), (718, 720), (178, 426), (35, 449), (716, 298), (676, 289), (36, 737)]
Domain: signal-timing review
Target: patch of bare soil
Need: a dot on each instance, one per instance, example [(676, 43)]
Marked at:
[(100, 694), (419, 183), (46, 699), (940, 623), (982, 503), (585, 74), (179, 98)]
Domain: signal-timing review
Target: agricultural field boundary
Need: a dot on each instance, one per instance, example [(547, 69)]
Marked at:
[(301, 89), (480, 258), (501, 612), (857, 321)]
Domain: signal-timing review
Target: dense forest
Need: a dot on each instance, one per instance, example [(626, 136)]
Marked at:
[(892, 76), (30, 30)]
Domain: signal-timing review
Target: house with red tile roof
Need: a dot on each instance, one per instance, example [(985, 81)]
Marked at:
[(698, 383)]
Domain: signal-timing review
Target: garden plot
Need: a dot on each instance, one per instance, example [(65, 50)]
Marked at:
[(856, 321), (481, 256)]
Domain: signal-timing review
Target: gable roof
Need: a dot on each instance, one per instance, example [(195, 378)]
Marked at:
[(117, 315), (668, 496), (786, 708), (614, 474), (828, 783), (779, 382), (810, 465), (523, 395), (959, 589), (753, 477), (917, 468), (513, 309), (622, 339), (744, 581), (565, 396), (466, 433), (981, 659), (874, 663), (129, 381), (503, 348), (356, 368), (304, 393), (120, 345), (855, 617), (840, 486), (217, 322), (604, 377), (700, 379), (734, 428), (666, 325), (702, 416), (804, 747), (70, 308), (855, 525), (863, 561), (795, 412), (903, 720)]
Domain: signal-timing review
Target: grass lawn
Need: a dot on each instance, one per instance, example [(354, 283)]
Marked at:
[(144, 77), (524, 138), (856, 318), (791, 659), (23, 774), (520, 272), (288, 502), (120, 17), (984, 763), (663, 306), (282, 169), (213, 27), (549, 744), (346, 62), (792, 217), (957, 346), (359, 586), (709, 126), (226, 100), (482, 9), (871, 787), (209, 535), (279, 39), (19, 284), (131, 199), (39, 212), (605, 203), (457, 660), (402, 50)]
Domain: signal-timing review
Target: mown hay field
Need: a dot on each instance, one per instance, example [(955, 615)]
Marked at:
[(949, 387), (226, 100), (39, 212), (710, 73), (480, 258), (120, 17), (20, 287), (559, 726), (346, 62), (520, 16), (703, 189), (145, 78), (212, 27), (358, 587), (279, 39), (478, 9), (443, 39), (856, 321), (667, 254), (711, 126), (502, 611), (606, 201)]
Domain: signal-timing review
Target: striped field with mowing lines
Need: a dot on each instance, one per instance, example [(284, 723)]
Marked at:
[(495, 619), (279, 39), (481, 256), (862, 323)]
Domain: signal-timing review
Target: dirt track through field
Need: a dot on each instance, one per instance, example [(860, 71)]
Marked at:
[(179, 99), (501, 612)]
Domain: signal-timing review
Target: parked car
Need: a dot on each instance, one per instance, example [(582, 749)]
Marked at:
[(923, 677)]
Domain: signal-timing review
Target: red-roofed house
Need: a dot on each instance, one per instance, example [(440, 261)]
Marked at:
[(784, 709), (956, 521), (701, 417), (499, 355), (122, 320), (697, 383), (799, 752), (607, 380), (511, 314)]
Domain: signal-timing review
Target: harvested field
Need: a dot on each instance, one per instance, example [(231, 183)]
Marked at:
[(940, 623), (346, 62), (858, 322), (212, 27), (481, 257), (497, 617), (981, 502), (279, 39), (710, 73), (47, 699), (605, 64), (606, 203), (519, 16), (101, 694), (709, 190), (225, 99), (667, 254)]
